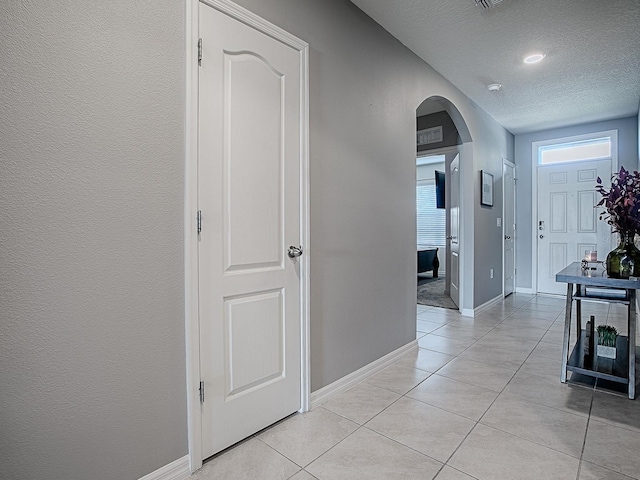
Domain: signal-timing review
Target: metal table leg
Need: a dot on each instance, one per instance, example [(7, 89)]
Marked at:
[(632, 344), (580, 289), (567, 330)]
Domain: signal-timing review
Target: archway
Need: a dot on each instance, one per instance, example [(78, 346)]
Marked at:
[(443, 153)]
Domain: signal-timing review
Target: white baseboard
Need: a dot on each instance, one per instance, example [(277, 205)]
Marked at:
[(472, 312), (176, 470), (339, 386), (487, 305), (528, 291)]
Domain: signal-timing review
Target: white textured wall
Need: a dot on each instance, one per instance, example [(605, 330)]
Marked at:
[(92, 372)]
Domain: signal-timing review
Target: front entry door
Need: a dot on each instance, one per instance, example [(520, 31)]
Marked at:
[(249, 184), (568, 223), (454, 222)]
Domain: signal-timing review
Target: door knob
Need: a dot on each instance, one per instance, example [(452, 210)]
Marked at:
[(507, 237), (541, 236), (294, 252)]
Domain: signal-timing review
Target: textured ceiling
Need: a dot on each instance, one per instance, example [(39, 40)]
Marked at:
[(591, 71)]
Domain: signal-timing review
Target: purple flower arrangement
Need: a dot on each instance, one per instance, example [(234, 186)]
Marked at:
[(621, 202)]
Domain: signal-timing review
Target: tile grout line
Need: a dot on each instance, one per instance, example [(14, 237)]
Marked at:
[(586, 432), (454, 321), (446, 463), (502, 391), (481, 416), (443, 464), (364, 425)]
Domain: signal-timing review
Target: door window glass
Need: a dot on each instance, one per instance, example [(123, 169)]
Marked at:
[(591, 149)]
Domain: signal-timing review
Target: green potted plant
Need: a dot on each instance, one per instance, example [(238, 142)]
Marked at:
[(607, 337)]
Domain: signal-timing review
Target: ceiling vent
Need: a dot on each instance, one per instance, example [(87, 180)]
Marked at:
[(487, 4)]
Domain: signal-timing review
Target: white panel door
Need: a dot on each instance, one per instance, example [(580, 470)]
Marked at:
[(509, 227), (568, 223), (454, 222), (250, 138)]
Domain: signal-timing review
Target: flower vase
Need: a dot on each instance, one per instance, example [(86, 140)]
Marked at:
[(624, 260)]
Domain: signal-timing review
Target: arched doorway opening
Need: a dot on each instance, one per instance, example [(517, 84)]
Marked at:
[(442, 153)]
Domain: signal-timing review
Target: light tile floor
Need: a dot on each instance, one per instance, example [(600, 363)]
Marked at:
[(480, 399)]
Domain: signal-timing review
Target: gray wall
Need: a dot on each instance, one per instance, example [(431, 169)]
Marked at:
[(91, 177), (365, 88), (92, 369), (491, 146), (627, 156), (449, 133)]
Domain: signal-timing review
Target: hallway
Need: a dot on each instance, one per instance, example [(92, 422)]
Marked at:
[(481, 398)]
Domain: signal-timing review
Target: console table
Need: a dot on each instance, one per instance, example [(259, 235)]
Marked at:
[(611, 290)]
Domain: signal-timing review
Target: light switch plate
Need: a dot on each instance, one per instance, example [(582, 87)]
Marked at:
[(499, 222)]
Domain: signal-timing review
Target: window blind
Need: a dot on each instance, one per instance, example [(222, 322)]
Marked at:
[(431, 221)]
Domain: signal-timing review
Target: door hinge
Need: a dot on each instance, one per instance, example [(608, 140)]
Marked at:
[(199, 221), (199, 51), (201, 389)]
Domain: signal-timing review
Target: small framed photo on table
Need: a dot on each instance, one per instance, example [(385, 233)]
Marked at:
[(486, 191)]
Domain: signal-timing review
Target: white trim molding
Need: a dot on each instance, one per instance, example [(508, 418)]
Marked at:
[(526, 291), (488, 305), (345, 383), (176, 470), (305, 232), (509, 163), (192, 328), (472, 312), (613, 134)]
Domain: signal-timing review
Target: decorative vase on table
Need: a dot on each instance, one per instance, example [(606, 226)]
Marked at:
[(624, 260), (621, 205)]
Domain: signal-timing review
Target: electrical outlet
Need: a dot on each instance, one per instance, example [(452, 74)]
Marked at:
[(499, 222), (491, 273)]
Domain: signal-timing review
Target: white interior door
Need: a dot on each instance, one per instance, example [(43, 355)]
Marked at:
[(453, 238), (249, 148), (568, 223), (509, 227)]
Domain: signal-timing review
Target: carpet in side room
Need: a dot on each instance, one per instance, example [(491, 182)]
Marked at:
[(431, 292)]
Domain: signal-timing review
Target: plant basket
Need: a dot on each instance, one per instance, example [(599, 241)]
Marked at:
[(607, 340), (606, 352)]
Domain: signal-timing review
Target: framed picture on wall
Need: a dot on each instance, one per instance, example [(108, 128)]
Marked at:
[(486, 191)]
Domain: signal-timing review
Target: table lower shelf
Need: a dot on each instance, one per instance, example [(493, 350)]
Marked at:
[(615, 370)]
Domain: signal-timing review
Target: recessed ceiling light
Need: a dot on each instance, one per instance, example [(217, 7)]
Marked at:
[(494, 87), (533, 58)]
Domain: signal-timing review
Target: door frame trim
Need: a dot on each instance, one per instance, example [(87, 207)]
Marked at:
[(534, 186), (509, 163), (453, 149), (192, 324)]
